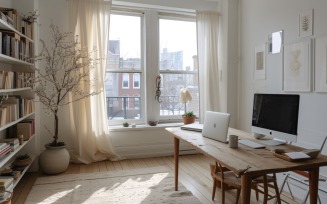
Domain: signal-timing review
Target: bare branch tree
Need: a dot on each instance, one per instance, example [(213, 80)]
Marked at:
[(66, 67)]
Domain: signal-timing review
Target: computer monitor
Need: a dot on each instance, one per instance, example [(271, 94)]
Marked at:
[(276, 115)]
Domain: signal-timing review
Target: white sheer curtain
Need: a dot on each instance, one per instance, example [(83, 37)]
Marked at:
[(91, 142), (207, 34)]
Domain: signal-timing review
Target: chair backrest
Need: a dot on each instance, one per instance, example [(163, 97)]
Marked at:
[(323, 144)]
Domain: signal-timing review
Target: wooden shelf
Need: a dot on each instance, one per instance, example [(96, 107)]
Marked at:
[(13, 61), (23, 172), (5, 26), (14, 153), (15, 122), (8, 91)]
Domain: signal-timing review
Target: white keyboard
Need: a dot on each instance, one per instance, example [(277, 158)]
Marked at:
[(251, 144), (272, 142)]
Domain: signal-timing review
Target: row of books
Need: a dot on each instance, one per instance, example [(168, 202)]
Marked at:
[(15, 107), (5, 149), (12, 80), (25, 128), (12, 142), (14, 19), (6, 184), (13, 45)]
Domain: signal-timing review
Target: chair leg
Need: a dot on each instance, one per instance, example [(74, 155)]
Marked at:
[(238, 195), (214, 188), (283, 184), (265, 189), (256, 192), (222, 193), (276, 190)]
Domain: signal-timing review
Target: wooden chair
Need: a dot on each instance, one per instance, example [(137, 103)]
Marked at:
[(225, 179)]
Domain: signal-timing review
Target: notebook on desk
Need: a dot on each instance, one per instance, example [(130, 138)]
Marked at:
[(193, 127), (216, 126)]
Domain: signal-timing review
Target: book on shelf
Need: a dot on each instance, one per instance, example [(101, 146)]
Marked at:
[(13, 18), (15, 46), (7, 186), (4, 152), (15, 107), (13, 142), (25, 129), (12, 80), (3, 145), (5, 181)]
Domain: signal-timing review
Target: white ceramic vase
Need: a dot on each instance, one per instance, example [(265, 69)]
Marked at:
[(54, 160)]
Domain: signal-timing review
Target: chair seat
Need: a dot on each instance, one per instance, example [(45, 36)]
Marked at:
[(229, 179), (261, 180)]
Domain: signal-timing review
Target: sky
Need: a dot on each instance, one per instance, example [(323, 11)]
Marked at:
[(175, 36)]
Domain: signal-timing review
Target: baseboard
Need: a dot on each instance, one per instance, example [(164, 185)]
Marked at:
[(153, 150)]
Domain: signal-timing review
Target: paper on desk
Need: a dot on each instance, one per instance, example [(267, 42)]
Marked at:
[(297, 155)]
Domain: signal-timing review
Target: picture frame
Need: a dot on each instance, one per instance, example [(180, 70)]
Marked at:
[(320, 64), (297, 67), (275, 42), (260, 62), (306, 23)]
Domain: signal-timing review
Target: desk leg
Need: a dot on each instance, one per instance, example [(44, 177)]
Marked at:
[(176, 154), (313, 184), (246, 188)]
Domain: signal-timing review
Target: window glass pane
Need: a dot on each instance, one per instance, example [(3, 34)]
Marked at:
[(125, 81), (124, 42), (122, 103), (178, 48), (171, 85), (136, 80)]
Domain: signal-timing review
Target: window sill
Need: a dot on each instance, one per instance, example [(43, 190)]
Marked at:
[(120, 128)]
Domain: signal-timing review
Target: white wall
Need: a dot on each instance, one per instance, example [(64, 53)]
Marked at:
[(259, 18), (55, 12)]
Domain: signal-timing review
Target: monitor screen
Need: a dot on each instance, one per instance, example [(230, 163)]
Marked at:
[(276, 115)]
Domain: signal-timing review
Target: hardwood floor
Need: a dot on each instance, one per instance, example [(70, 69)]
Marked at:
[(194, 174)]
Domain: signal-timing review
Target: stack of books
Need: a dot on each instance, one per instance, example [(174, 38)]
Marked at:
[(13, 142), (5, 149), (6, 184)]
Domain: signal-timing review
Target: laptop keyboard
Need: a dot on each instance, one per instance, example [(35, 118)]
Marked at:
[(251, 144)]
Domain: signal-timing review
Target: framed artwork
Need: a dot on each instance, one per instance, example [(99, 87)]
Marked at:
[(297, 67), (260, 62), (321, 64), (306, 23), (275, 41)]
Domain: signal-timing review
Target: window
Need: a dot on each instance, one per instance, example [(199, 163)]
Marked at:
[(124, 63), (125, 81), (136, 81), (178, 66), (174, 58)]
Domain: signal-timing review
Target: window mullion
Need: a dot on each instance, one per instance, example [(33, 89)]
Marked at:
[(151, 63)]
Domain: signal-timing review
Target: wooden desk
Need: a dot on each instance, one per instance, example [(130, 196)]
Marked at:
[(260, 161)]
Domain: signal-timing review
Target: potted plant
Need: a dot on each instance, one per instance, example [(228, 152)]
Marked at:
[(64, 65), (188, 117)]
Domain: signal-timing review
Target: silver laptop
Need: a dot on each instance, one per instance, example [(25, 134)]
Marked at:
[(216, 126)]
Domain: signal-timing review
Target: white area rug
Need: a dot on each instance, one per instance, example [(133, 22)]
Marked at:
[(148, 185)]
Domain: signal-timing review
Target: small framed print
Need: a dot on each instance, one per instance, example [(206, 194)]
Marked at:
[(306, 23), (260, 62)]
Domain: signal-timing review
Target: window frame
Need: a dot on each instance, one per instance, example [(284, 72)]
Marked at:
[(150, 107), (169, 16)]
